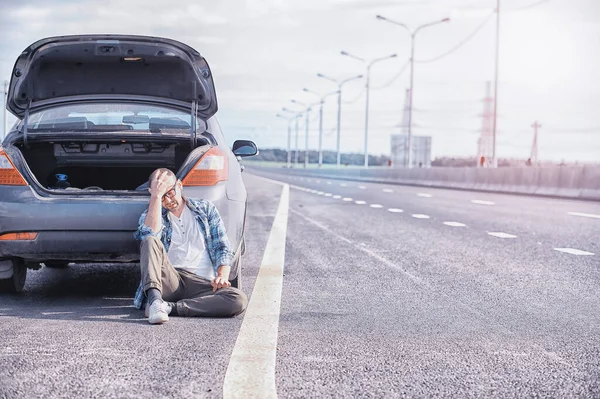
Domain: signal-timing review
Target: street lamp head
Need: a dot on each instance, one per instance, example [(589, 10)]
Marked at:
[(343, 52), (393, 55), (380, 17), (445, 20), (306, 90)]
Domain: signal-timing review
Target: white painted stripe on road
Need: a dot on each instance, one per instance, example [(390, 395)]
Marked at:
[(376, 206), (420, 216), (251, 369), (58, 313), (574, 251), (424, 195), (317, 181), (481, 202), (320, 193), (455, 224), (585, 215), (395, 210), (388, 190), (347, 199), (501, 235), (328, 182), (337, 196), (360, 202), (362, 187), (343, 184), (328, 194)]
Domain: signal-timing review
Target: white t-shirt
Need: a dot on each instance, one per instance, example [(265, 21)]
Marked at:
[(187, 250)]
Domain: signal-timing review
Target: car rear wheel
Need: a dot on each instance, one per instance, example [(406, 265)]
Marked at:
[(56, 264), (237, 281), (17, 281)]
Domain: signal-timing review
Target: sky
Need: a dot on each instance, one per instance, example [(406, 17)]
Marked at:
[(263, 53)]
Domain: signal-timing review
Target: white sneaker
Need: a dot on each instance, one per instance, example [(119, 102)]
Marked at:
[(158, 312)]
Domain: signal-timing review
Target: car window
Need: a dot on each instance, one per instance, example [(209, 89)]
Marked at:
[(112, 117)]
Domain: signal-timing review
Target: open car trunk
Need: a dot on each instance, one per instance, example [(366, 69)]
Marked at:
[(70, 164)]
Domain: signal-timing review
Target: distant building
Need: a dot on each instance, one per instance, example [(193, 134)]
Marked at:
[(421, 148)]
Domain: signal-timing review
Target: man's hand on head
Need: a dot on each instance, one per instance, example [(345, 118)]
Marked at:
[(160, 184)]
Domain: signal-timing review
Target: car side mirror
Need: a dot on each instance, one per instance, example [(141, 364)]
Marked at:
[(244, 148)]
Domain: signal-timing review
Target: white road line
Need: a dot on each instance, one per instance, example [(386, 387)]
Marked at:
[(395, 210), (328, 182), (347, 199), (55, 313), (454, 224), (328, 194), (343, 184), (317, 181), (337, 197), (574, 251), (420, 216), (585, 215), (251, 369), (376, 206), (481, 202), (425, 195), (501, 235), (320, 192), (388, 190), (362, 187), (360, 202)]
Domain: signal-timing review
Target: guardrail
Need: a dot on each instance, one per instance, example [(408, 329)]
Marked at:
[(581, 182)]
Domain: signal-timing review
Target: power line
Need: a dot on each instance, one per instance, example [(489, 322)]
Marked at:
[(355, 99), (529, 6), (459, 45), (393, 79)]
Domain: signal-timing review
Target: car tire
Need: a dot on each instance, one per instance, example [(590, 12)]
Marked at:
[(56, 264), (15, 283), (237, 281)]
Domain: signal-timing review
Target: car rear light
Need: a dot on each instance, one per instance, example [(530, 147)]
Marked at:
[(9, 175), (27, 236), (210, 169)]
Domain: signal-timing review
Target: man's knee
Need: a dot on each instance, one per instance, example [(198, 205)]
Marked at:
[(239, 301), (151, 242)]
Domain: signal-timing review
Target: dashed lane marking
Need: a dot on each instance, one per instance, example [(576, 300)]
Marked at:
[(501, 235), (395, 210), (328, 194), (585, 215), (343, 184), (347, 199), (337, 196), (455, 224), (574, 251), (376, 206), (481, 202), (420, 216), (360, 202), (362, 187), (424, 195), (388, 190), (251, 369)]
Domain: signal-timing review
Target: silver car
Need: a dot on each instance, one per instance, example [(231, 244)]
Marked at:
[(97, 114)]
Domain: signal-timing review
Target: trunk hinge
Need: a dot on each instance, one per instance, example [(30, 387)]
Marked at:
[(25, 122)]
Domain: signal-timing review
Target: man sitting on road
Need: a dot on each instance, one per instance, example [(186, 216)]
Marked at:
[(185, 256)]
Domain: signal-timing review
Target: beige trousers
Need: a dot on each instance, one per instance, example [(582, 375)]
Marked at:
[(192, 294)]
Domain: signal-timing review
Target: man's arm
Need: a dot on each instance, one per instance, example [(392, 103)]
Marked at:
[(222, 278), (158, 187)]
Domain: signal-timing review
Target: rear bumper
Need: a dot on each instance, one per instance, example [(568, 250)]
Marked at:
[(83, 246)]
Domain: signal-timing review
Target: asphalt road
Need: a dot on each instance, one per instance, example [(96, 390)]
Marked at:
[(376, 303)]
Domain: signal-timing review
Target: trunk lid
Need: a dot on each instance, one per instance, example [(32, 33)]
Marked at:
[(81, 68)]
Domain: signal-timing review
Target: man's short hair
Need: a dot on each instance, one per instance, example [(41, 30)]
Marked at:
[(157, 171)]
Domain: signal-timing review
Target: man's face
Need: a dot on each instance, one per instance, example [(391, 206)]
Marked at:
[(172, 199)]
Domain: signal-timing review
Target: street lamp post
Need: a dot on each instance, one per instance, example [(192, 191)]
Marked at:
[(297, 117), (339, 113), (289, 137), (369, 64), (412, 33), (321, 102)]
